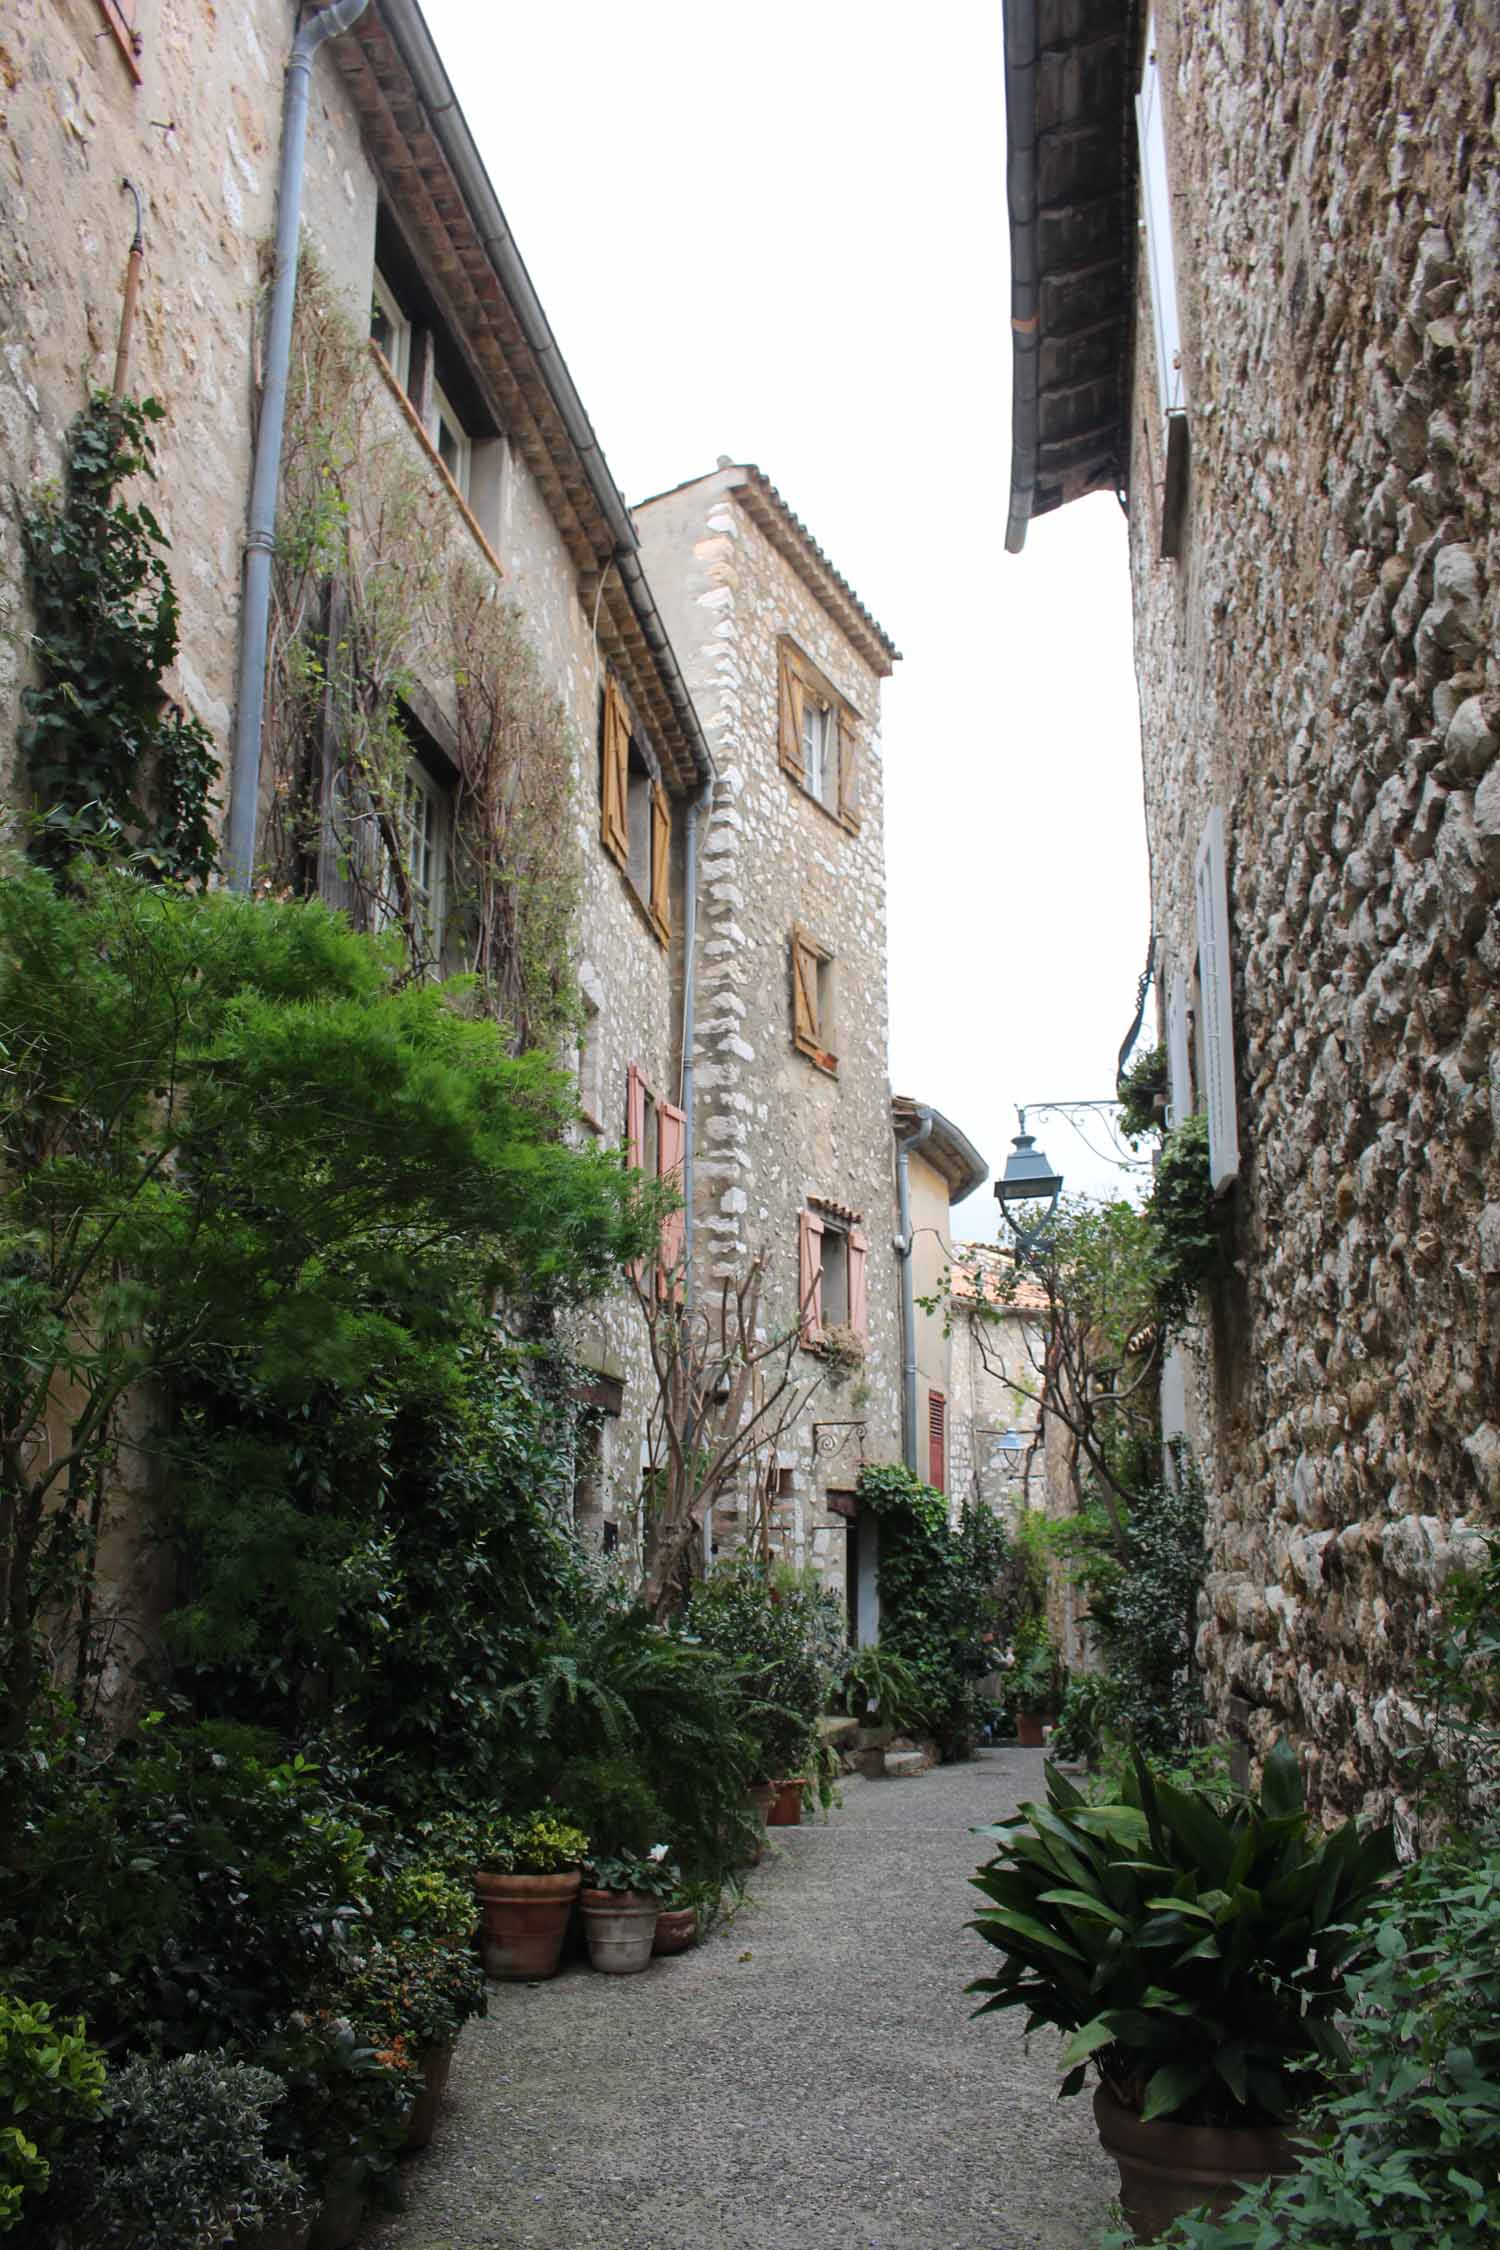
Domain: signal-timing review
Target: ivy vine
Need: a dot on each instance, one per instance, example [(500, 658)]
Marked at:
[(117, 770), (1187, 1226)]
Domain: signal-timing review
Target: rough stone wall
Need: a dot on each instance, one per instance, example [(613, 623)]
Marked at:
[(1323, 662), (773, 1128)]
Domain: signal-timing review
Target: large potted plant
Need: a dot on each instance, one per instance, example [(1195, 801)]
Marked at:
[(621, 1903), (1035, 1684), (528, 1875), (1193, 1948)]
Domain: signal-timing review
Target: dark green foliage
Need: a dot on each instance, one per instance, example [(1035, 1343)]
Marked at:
[(1456, 1767), (942, 1596), (1407, 2153), (881, 1689), (1142, 1574), (776, 1629), (229, 1134), (1138, 1090), (1187, 1230), (1195, 1947), (117, 770), (609, 1795), (179, 2162)]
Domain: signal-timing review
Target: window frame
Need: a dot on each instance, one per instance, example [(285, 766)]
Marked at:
[(383, 297), (798, 678), (817, 1220), (812, 966), (632, 797), (442, 412), (120, 16)]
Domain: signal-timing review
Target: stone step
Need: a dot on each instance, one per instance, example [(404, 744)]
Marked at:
[(905, 1765), (838, 1731)]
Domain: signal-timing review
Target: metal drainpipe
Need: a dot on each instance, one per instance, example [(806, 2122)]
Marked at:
[(904, 1148), (697, 805), (250, 702)]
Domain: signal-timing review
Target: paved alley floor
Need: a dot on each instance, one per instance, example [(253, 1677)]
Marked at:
[(808, 2079)]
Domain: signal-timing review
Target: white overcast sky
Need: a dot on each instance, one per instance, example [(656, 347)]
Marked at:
[(778, 232)]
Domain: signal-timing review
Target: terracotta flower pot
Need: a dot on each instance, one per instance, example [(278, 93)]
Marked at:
[(676, 1930), (1166, 2169), (621, 1929), (522, 1919), (422, 2123), (341, 2214), (786, 1807), (1031, 1729)]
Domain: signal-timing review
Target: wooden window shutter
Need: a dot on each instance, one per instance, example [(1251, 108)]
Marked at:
[(661, 862), (1179, 1075), (614, 827), (791, 716), (1211, 885), (858, 1307), (671, 1148), (937, 1441), (635, 1117), (810, 1276), (805, 1029), (848, 773)]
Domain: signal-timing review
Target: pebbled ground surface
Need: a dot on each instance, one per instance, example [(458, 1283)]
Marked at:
[(808, 2079)]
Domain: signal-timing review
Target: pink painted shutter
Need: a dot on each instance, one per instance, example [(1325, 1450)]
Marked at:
[(937, 1447), (635, 1117), (858, 1318), (810, 1275), (671, 1148)]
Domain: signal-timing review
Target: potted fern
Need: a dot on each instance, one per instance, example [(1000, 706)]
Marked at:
[(1193, 1949)]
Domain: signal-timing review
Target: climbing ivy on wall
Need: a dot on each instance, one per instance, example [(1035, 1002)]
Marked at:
[(116, 768), (376, 598)]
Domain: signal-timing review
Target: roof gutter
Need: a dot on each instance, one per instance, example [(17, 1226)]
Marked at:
[(1022, 45), (404, 21)]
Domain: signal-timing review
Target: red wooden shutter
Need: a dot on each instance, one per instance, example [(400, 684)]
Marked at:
[(858, 1315), (937, 1449), (635, 1117), (671, 1148), (810, 1276)]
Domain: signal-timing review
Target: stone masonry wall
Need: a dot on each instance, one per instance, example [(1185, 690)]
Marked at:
[(1323, 661), (774, 1129)]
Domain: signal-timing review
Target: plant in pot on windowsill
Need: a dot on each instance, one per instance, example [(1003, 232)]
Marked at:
[(622, 1901), (1194, 1947), (528, 1874)]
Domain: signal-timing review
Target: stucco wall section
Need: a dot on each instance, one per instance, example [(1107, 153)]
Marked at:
[(1324, 662), (774, 1129)]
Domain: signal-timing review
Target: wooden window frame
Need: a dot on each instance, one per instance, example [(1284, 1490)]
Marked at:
[(617, 739), (120, 16), (398, 359), (797, 678), (807, 957), (814, 1225)]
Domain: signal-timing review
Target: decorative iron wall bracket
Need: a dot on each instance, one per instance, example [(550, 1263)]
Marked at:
[(827, 1441)]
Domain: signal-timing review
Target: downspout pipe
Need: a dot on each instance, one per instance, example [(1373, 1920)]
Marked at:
[(904, 1146), (697, 807), (260, 538)]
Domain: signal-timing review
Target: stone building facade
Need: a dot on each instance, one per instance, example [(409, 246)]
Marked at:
[(1296, 387), (794, 1157), (470, 399)]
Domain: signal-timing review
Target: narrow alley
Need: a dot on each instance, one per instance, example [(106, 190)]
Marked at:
[(810, 2076)]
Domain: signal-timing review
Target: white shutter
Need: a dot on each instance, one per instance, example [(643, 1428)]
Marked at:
[(1156, 203), (1179, 1073), (1211, 887)]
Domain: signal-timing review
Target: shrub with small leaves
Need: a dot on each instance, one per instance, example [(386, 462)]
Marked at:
[(51, 2082), (179, 2161), (538, 1843)]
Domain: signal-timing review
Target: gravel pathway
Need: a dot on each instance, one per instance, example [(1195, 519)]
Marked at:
[(808, 2077)]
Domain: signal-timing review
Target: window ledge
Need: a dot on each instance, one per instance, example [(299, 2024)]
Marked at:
[(435, 459), (839, 819), (642, 906)]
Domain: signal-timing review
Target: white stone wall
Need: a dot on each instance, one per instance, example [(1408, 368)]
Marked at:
[(775, 1129), (1324, 663)]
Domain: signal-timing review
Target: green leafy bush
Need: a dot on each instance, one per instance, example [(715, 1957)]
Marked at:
[(774, 1628), (51, 2084), (1407, 2151), (1186, 1227), (539, 1843), (649, 1874), (1194, 1948), (943, 1605), (179, 2161), (881, 1689)]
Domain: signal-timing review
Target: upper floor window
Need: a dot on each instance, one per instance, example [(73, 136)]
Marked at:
[(120, 16), (1156, 205), (429, 365), (831, 1254), (635, 823), (389, 328), (813, 1029), (819, 743)]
